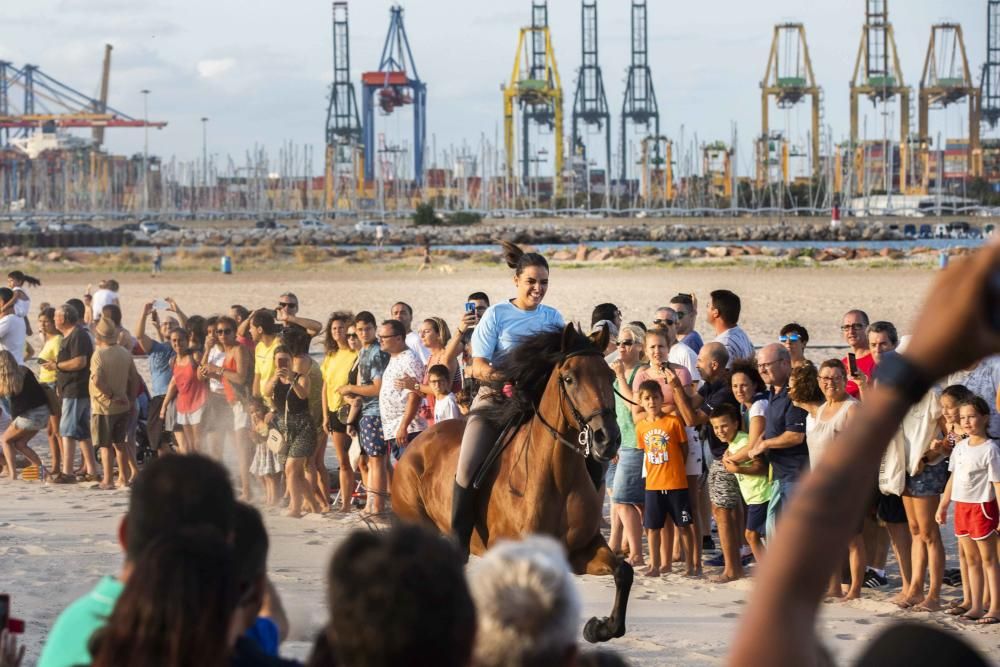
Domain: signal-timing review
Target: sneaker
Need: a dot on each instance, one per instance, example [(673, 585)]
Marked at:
[(707, 543), (874, 580), (716, 561)]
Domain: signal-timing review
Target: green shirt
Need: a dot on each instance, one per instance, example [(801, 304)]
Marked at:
[(67, 642), (624, 411), (756, 489)]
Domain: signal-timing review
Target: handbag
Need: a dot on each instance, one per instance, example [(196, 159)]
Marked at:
[(276, 441)]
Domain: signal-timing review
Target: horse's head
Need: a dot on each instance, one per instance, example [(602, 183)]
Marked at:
[(587, 394)]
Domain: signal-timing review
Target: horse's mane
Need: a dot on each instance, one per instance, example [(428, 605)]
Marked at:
[(527, 366)]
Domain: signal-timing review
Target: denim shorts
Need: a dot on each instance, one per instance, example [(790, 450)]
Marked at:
[(75, 419), (35, 419)]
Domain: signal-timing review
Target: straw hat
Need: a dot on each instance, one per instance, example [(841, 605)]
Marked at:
[(106, 329)]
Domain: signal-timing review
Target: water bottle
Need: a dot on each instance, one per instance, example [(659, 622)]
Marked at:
[(227, 264)]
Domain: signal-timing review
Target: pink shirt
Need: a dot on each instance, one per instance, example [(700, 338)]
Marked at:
[(668, 394)]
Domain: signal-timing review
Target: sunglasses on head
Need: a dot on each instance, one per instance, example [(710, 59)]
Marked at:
[(790, 338)]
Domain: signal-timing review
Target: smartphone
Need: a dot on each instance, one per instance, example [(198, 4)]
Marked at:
[(852, 361), (470, 306), (4, 610), (160, 304), (282, 363)]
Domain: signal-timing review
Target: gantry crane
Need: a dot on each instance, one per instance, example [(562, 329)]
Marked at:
[(882, 82), (590, 104), (343, 126), (49, 103), (946, 80), (397, 83), (537, 89), (990, 82), (639, 105), (717, 167), (788, 79)]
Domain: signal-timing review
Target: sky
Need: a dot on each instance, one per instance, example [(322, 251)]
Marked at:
[(260, 71)]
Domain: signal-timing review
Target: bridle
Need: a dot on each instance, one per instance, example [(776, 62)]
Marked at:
[(585, 437)]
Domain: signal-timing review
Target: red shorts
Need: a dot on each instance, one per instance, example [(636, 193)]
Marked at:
[(975, 520)]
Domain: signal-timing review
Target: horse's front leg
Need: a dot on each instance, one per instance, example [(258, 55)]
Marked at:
[(598, 558)]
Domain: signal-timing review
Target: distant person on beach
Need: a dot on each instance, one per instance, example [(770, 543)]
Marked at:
[(157, 260), (106, 294), (425, 260), (686, 308), (171, 494), (724, 317)]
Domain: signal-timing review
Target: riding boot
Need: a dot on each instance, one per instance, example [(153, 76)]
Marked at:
[(463, 516)]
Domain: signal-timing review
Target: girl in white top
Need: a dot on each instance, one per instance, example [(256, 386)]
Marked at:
[(822, 426), (974, 486)]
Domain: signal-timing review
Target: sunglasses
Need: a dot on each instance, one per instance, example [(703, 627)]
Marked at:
[(790, 338), (387, 337), (352, 335), (223, 332), (669, 323), (282, 304), (624, 343)]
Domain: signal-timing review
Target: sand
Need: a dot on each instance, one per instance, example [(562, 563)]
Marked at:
[(55, 542)]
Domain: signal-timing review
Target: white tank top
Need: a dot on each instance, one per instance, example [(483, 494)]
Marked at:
[(820, 433)]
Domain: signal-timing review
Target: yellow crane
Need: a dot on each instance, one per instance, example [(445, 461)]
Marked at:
[(536, 88)]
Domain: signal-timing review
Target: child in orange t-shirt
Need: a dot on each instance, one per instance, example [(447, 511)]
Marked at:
[(664, 442)]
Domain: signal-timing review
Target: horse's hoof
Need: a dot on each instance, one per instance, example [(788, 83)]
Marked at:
[(599, 630)]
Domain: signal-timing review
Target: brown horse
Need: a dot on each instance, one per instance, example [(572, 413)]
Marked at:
[(562, 420)]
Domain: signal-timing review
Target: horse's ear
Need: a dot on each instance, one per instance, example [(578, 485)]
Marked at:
[(569, 333), (600, 338)]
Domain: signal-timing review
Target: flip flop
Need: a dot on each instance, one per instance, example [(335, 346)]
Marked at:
[(966, 617), (988, 620), (957, 610)]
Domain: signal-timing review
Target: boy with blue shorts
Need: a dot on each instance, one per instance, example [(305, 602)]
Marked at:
[(664, 444)]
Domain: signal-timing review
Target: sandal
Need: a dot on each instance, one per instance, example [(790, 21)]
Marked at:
[(957, 610), (988, 620)]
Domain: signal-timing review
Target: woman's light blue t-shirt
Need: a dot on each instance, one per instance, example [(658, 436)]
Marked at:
[(504, 325)]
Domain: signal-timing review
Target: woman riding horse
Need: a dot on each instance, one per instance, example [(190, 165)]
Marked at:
[(502, 326)]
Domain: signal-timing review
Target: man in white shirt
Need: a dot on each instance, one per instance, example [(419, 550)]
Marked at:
[(403, 312), (13, 331), (399, 408), (724, 316), (106, 294)]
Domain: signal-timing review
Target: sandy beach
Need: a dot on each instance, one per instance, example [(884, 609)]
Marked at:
[(55, 541)]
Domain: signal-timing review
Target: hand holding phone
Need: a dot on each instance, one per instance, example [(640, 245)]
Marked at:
[(852, 362)]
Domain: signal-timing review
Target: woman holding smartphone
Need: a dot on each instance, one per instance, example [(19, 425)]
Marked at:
[(289, 392), (502, 326)]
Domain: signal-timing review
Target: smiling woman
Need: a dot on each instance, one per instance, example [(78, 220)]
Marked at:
[(502, 327)]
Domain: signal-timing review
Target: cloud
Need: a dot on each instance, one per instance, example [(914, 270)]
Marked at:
[(211, 69)]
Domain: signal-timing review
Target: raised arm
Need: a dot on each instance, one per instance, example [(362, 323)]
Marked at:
[(145, 342), (823, 515)]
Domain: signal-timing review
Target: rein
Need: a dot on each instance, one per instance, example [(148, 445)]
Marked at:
[(585, 437)]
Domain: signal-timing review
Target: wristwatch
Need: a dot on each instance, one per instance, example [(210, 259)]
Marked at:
[(898, 372)]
